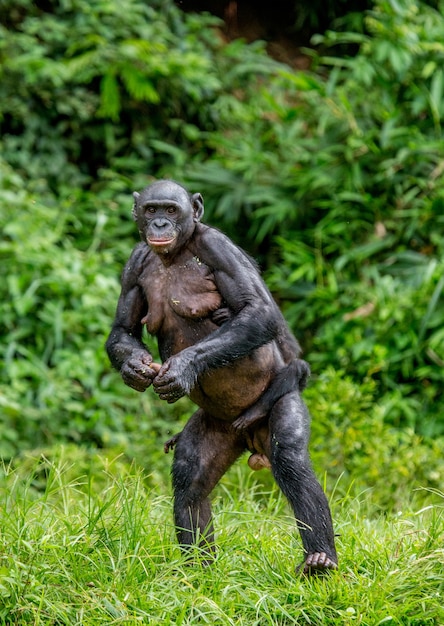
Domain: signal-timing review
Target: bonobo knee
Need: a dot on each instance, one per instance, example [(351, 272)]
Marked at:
[(290, 420)]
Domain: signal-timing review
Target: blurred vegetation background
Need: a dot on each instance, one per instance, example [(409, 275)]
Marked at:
[(328, 168)]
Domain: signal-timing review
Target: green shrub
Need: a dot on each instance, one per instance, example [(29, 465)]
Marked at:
[(56, 306), (332, 178), (337, 179), (361, 454)]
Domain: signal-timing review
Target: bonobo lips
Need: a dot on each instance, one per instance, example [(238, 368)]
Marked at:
[(161, 243)]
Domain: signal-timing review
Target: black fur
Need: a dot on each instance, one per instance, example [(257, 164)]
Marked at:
[(225, 344)]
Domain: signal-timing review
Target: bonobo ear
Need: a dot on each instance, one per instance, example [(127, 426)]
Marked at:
[(198, 206), (136, 196)]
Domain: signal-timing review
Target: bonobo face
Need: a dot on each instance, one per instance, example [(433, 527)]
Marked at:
[(166, 216)]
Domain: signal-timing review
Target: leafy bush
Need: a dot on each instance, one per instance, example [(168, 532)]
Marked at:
[(85, 89), (56, 306), (358, 451), (127, 87), (333, 178), (343, 173)]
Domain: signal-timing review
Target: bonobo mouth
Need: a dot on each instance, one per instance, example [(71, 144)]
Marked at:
[(160, 243)]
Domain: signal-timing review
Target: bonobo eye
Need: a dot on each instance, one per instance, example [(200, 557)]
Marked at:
[(150, 209), (171, 209)]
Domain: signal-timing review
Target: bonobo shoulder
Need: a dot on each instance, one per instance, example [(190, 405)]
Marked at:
[(218, 250), (137, 262)]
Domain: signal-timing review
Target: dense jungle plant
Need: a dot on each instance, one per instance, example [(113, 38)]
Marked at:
[(345, 176), (332, 178), (90, 94), (55, 310)]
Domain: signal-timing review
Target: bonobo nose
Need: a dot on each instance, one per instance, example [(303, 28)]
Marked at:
[(161, 223)]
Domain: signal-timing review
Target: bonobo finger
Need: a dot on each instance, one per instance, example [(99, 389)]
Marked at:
[(164, 382), (163, 369), (171, 399), (139, 367), (129, 375), (143, 369), (134, 384), (138, 375), (137, 382), (169, 389), (139, 359), (169, 445), (171, 395)]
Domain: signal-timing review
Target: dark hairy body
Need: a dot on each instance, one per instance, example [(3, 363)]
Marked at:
[(224, 343)]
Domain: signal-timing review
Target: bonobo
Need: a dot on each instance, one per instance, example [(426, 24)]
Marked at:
[(224, 343)]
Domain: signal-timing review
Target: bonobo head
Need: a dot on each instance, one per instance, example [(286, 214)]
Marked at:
[(166, 215)]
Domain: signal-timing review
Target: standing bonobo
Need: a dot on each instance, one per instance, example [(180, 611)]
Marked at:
[(224, 343)]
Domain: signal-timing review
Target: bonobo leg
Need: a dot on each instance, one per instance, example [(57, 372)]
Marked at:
[(291, 467), (203, 453)]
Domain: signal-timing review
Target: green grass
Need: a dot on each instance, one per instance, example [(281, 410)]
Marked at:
[(87, 539)]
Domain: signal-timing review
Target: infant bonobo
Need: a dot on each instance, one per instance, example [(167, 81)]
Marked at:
[(225, 344)]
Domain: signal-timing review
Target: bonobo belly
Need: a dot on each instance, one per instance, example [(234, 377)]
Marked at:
[(228, 391)]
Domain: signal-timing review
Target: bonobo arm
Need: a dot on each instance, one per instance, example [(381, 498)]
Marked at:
[(255, 321), (124, 345)]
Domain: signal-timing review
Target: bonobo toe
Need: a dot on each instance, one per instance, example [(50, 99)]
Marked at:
[(316, 563), (170, 444)]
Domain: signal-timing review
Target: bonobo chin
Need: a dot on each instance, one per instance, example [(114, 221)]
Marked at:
[(224, 343)]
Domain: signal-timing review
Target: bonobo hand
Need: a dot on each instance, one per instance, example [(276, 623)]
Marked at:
[(176, 378), (220, 316), (139, 370)]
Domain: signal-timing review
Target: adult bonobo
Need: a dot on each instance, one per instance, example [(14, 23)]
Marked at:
[(224, 343)]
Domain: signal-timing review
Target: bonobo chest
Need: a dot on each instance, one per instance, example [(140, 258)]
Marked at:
[(180, 298)]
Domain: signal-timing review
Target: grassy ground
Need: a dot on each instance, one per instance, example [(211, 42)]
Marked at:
[(88, 540)]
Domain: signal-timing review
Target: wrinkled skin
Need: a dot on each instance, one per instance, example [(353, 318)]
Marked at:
[(224, 343)]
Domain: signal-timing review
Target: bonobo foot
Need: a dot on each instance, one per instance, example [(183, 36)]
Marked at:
[(169, 445), (249, 418), (315, 564)]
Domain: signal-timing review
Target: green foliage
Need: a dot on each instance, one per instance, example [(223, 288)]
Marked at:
[(354, 445), (56, 305), (387, 327), (333, 178), (343, 172), (73, 70), (396, 338), (390, 319)]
